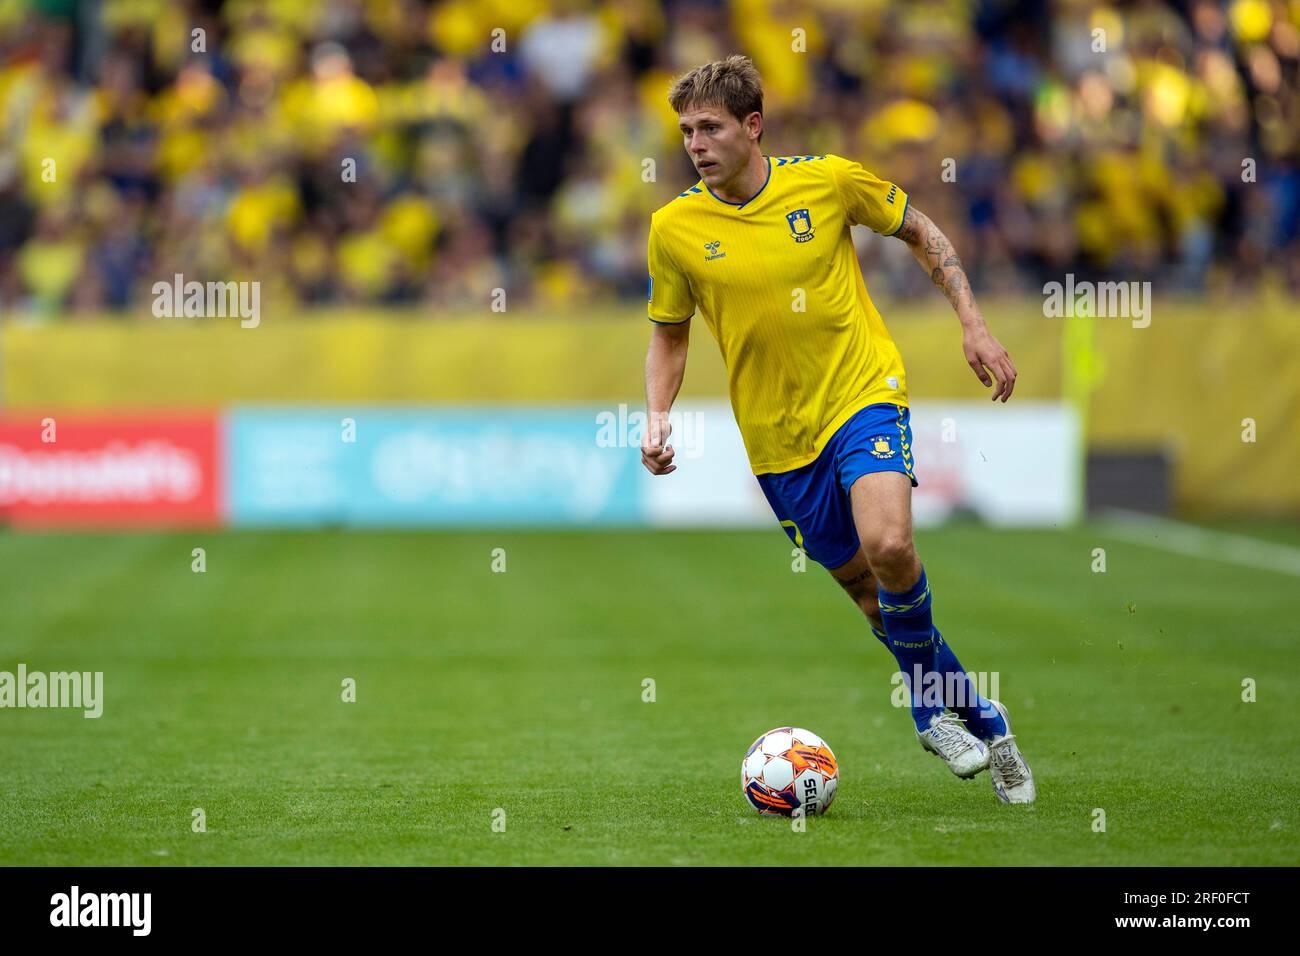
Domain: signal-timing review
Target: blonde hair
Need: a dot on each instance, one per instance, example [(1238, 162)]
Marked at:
[(733, 84)]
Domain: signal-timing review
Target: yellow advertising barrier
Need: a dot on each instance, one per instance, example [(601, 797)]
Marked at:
[(1216, 386)]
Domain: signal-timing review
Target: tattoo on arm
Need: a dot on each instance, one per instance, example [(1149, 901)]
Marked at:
[(909, 231), (933, 250)]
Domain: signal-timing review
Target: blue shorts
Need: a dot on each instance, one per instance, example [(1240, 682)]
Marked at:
[(812, 502)]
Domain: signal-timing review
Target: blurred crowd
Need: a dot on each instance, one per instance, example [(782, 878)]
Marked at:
[(402, 152)]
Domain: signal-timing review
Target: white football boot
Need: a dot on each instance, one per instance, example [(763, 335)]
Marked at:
[(963, 752), (1013, 781)]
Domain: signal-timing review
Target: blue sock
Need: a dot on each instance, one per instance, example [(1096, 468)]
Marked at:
[(910, 631), (981, 718)]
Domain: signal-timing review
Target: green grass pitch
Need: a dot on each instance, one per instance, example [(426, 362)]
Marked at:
[(523, 691)]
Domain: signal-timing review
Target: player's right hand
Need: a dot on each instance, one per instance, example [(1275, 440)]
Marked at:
[(656, 453)]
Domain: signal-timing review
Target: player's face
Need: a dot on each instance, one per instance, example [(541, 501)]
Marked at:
[(716, 142)]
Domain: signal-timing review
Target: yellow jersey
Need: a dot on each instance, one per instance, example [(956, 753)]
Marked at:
[(777, 280)]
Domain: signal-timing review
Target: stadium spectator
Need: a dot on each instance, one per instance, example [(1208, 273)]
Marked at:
[(403, 153)]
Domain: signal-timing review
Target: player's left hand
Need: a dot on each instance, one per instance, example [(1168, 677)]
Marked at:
[(983, 351)]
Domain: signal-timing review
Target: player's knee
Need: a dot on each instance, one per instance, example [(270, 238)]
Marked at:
[(890, 551)]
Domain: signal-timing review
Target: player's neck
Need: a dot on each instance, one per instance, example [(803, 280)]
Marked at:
[(745, 185)]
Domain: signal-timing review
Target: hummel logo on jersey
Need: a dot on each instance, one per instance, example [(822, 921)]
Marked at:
[(712, 249)]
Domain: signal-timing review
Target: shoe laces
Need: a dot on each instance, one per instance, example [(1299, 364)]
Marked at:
[(1007, 762), (946, 732)]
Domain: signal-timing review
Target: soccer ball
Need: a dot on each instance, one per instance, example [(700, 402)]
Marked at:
[(789, 769)]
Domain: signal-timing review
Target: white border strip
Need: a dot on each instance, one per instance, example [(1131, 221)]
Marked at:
[(1220, 546)]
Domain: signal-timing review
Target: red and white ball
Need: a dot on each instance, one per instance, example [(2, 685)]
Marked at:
[(789, 769)]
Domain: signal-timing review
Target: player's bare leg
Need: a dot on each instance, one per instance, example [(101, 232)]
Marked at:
[(860, 584), (882, 514)]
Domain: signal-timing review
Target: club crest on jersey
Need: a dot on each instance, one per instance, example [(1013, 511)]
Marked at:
[(712, 249), (801, 227), (881, 448)]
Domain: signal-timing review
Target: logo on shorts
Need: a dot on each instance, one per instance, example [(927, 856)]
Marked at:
[(881, 448)]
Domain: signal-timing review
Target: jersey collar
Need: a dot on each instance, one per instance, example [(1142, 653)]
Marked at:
[(742, 205)]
